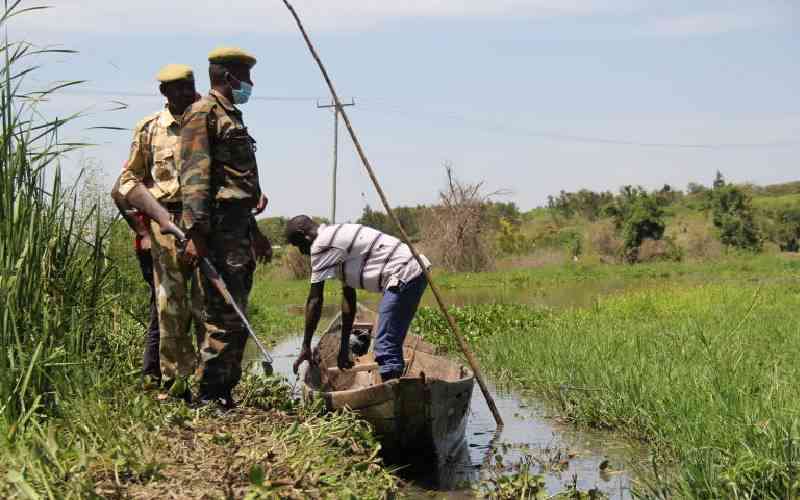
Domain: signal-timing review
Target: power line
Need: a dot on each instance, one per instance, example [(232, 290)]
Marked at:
[(484, 126), (561, 137), (116, 93)]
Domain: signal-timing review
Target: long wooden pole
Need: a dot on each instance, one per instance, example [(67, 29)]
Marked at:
[(462, 343)]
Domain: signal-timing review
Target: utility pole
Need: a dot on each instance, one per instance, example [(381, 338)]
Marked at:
[(335, 148)]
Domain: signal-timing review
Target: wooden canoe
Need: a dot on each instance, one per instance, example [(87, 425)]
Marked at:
[(422, 414)]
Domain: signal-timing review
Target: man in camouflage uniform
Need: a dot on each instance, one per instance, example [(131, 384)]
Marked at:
[(153, 161), (220, 187)]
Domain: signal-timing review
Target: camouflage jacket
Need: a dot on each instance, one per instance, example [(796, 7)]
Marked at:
[(218, 161), (153, 158)]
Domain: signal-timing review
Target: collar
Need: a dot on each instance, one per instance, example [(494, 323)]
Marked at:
[(166, 119), (224, 102)]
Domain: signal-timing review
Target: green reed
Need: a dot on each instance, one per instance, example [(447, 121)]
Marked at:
[(51, 281)]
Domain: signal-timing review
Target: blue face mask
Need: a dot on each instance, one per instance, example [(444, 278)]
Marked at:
[(242, 94)]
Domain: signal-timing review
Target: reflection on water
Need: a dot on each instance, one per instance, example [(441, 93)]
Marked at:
[(564, 456)]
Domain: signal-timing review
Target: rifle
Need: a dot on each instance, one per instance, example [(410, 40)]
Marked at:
[(141, 198)]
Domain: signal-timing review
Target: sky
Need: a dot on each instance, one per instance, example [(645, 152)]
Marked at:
[(528, 96)]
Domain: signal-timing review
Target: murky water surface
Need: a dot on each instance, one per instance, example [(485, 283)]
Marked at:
[(564, 456)]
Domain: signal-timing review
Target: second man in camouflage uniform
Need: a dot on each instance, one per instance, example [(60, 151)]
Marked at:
[(220, 187)]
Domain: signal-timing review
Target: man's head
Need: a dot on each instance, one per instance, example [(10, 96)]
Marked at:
[(301, 232), (229, 73), (177, 85)]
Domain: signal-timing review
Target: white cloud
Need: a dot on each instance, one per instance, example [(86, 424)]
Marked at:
[(711, 23), (270, 16)]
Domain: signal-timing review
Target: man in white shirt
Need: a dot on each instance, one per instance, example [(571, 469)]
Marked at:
[(361, 257)]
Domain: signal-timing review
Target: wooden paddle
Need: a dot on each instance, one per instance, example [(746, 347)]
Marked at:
[(462, 343)]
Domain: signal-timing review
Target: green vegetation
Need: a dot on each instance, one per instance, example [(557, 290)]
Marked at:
[(704, 374)]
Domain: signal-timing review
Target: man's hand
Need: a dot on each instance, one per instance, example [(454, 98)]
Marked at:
[(262, 204), (262, 247), (343, 360), (195, 250), (305, 355)]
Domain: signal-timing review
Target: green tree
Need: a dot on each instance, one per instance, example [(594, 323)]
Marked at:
[(273, 228), (408, 217), (376, 220), (637, 214), (732, 214), (783, 228)]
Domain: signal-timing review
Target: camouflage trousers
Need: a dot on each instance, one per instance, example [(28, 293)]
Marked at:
[(178, 299), (222, 346)]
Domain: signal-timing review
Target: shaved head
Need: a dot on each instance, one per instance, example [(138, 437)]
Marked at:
[(301, 231)]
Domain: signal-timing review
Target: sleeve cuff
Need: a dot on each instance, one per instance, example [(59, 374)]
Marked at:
[(126, 187)]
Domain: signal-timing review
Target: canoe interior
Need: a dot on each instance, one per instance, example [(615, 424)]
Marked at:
[(424, 410)]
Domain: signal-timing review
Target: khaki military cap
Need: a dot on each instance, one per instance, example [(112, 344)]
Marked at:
[(222, 55), (174, 72)]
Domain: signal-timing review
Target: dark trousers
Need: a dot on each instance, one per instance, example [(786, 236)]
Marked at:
[(397, 309), (150, 365), (225, 336)]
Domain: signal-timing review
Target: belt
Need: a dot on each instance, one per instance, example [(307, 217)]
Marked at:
[(226, 205)]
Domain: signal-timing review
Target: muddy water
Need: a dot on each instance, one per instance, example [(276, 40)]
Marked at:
[(531, 434)]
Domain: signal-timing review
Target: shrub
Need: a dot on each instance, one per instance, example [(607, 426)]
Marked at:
[(510, 240), (273, 228), (638, 216), (732, 214), (585, 203), (408, 216), (783, 228)]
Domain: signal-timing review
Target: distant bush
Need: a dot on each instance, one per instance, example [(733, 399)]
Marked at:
[(273, 228), (585, 203), (782, 227), (409, 218), (733, 216), (510, 240), (638, 216)]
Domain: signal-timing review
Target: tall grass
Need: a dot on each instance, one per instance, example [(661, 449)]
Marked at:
[(51, 283), (707, 376)]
